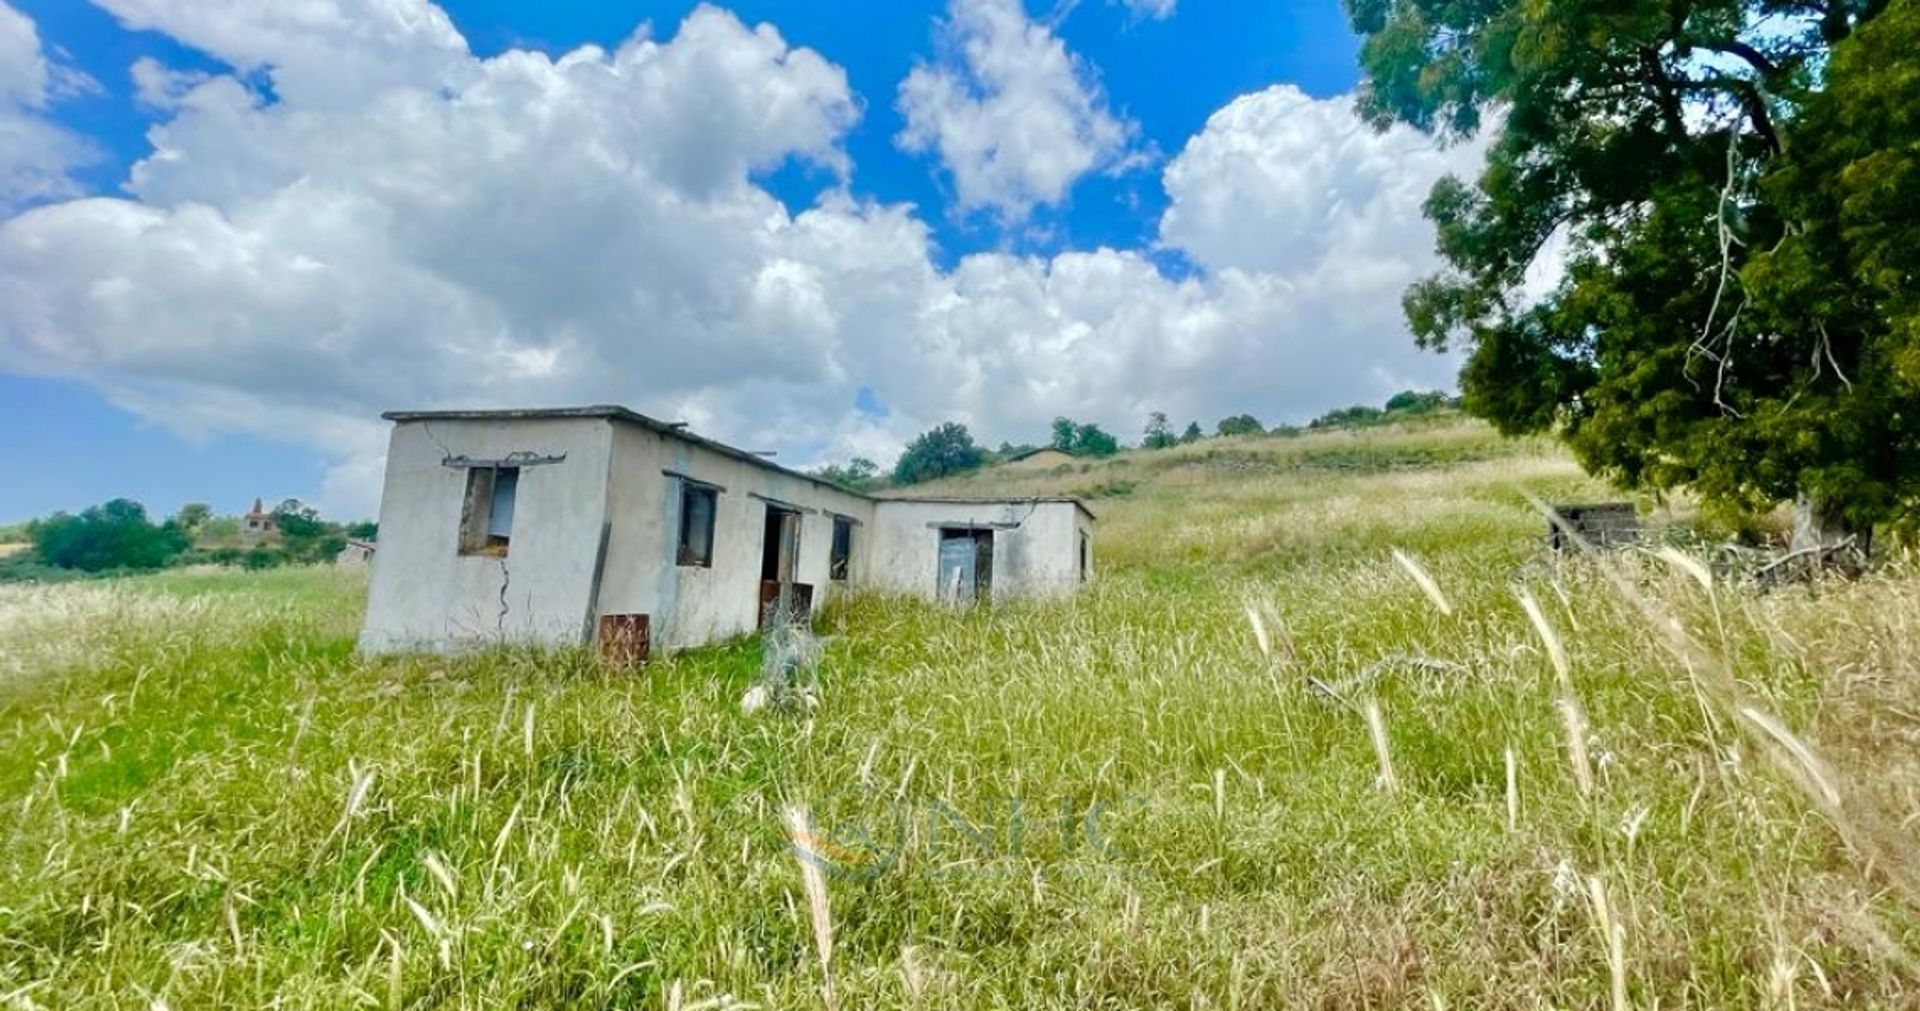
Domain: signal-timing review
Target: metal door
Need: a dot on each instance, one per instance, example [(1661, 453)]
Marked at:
[(957, 554)]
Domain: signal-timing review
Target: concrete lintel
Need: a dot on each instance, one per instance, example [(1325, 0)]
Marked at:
[(510, 460), (694, 481), (781, 503)]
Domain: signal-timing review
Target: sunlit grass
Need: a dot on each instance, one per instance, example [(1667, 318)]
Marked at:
[(211, 803)]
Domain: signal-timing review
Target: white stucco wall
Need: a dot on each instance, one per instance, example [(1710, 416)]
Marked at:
[(1038, 556), (689, 605), (423, 594), (597, 534)]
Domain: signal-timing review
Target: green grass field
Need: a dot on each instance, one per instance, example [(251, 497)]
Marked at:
[(1140, 798)]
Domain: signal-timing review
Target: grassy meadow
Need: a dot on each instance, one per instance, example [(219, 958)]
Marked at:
[(1257, 764)]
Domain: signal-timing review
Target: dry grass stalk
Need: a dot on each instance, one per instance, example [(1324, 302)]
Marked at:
[(912, 975), (1513, 791), (814, 881), (1424, 580), (1574, 719), (1377, 729), (1260, 637), (1614, 934), (1573, 716), (1808, 768), (1881, 843), (1556, 652)]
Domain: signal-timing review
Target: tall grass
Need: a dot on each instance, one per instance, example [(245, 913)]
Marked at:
[(1162, 793)]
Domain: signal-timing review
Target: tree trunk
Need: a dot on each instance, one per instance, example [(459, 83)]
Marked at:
[(1825, 539)]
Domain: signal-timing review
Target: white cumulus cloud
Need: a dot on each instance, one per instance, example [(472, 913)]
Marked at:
[(35, 154), (1012, 115), (534, 230), (23, 72), (319, 52), (1285, 183)]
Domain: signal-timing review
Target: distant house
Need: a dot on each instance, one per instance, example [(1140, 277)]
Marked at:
[(357, 554), (257, 524), (598, 524), (1043, 458)]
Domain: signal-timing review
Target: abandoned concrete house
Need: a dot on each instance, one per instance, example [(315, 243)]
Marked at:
[(596, 524), (258, 523)]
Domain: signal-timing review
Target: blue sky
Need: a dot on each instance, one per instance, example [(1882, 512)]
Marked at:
[(169, 424)]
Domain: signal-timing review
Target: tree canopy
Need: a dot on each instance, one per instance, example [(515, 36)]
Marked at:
[(304, 535), (1087, 439), (858, 474), (1735, 187), (1240, 424), (112, 535), (1159, 432), (938, 452)]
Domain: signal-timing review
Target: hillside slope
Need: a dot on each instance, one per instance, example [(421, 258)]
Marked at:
[(1136, 798)]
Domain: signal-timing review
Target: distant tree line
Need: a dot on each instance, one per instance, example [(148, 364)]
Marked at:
[(948, 449), (119, 536)]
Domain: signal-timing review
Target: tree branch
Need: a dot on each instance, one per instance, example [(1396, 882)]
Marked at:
[(1665, 95), (1750, 97), (1754, 58)]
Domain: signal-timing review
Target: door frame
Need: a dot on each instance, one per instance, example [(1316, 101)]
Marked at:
[(979, 565), (781, 591)]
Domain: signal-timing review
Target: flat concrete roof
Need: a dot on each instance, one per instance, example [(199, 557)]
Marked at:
[(987, 500), (613, 412), (1036, 451)]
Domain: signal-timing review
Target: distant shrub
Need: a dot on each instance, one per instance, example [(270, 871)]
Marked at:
[(24, 567), (1240, 424), (1405, 404), (1413, 402), (1357, 416)]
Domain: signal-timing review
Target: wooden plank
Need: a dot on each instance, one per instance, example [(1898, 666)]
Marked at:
[(626, 640)]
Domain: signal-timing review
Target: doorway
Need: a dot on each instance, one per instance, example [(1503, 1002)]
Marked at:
[(779, 559), (966, 565)]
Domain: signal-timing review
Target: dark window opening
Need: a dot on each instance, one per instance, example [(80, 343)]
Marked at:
[(697, 507), (486, 513), (841, 558), (1086, 557)]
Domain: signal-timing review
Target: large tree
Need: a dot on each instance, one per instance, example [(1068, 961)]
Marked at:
[(112, 535), (1159, 432), (306, 537), (1084, 438), (1733, 184), (945, 449)]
